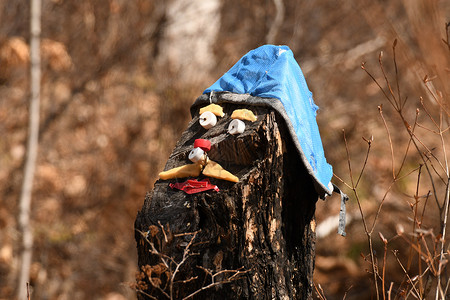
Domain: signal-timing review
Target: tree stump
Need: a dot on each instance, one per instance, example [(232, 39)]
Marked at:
[(253, 239)]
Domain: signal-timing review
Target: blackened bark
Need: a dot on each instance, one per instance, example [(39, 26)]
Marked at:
[(263, 224)]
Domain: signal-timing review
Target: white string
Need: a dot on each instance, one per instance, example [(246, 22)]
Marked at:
[(210, 97)]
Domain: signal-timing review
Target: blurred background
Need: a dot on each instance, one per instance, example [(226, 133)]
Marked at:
[(118, 78)]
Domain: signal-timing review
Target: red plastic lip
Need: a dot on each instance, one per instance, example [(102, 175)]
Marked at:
[(205, 145), (192, 186)]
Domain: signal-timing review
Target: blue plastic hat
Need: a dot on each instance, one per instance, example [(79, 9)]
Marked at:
[(272, 74)]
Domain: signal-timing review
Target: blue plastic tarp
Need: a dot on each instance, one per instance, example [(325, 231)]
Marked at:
[(271, 72)]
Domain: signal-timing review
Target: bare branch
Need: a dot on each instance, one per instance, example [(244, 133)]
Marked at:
[(406, 273), (444, 228), (214, 283), (395, 103), (380, 110)]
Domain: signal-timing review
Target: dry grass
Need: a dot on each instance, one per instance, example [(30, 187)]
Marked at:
[(418, 177)]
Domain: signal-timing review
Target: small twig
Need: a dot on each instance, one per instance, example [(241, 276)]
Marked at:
[(447, 41), (426, 81), (394, 102), (444, 228), (391, 145), (376, 82), (444, 148), (349, 161), (406, 124), (380, 206), (406, 273), (185, 233), (428, 114), (346, 292), (187, 280), (159, 289), (162, 256), (409, 173), (407, 147), (390, 290), (411, 133), (369, 144), (146, 294), (366, 230), (424, 206), (320, 292), (343, 182), (427, 257), (415, 222), (214, 283), (446, 287), (431, 130), (183, 260), (163, 231), (430, 154), (385, 242), (396, 75), (28, 291)]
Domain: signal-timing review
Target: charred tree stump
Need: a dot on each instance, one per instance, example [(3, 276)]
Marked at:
[(253, 239)]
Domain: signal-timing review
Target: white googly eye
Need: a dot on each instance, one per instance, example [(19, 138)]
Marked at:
[(236, 127), (208, 119), (196, 154)]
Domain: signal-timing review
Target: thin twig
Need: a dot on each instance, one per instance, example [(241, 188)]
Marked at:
[(369, 144), (343, 182), (406, 124), (214, 283), (146, 294), (346, 292), (415, 222), (390, 291), (444, 228), (391, 145), (428, 114), (407, 147), (187, 280), (368, 233), (385, 242), (396, 75), (185, 233), (429, 130), (406, 273), (416, 207), (163, 231), (178, 265), (28, 291), (376, 82), (394, 102), (320, 292), (426, 80), (424, 206), (411, 133)]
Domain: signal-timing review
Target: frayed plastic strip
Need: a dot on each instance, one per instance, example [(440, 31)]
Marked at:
[(342, 211)]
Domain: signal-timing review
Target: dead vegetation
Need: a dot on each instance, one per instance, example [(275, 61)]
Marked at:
[(424, 267), (110, 116), (160, 277)]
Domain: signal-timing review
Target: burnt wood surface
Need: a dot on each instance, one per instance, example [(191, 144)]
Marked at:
[(259, 230)]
